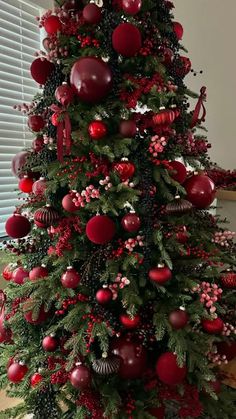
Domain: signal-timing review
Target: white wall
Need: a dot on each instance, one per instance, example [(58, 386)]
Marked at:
[(209, 36)]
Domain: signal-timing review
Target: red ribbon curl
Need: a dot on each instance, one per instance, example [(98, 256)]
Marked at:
[(200, 105), (63, 131)]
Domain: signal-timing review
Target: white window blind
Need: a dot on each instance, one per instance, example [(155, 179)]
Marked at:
[(19, 39)]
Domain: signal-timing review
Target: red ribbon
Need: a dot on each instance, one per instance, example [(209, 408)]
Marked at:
[(200, 104), (63, 131)]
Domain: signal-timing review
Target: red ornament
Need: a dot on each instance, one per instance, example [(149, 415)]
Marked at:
[(160, 275), (227, 348), (38, 272), (126, 39), (128, 128), (168, 371), (165, 117), (45, 217), (19, 275), (228, 280), (64, 94), (100, 229), (178, 30), (167, 57), (131, 222), (18, 162), (29, 316), (81, 377), (200, 191), (50, 344), (178, 172), (182, 236), (125, 169), (184, 68), (104, 296), (39, 187), (97, 130), (157, 412), (91, 78), (17, 226), (178, 319), (131, 7), (214, 326), (16, 372), (36, 123), (8, 271), (130, 322), (55, 119), (41, 69), (92, 14), (38, 144), (133, 357), (71, 278), (68, 203), (26, 184), (52, 25), (36, 379)]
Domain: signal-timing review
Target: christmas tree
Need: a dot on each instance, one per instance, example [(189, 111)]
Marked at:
[(121, 294)]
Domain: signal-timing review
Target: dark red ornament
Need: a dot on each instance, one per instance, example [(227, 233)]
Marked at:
[(100, 229), (50, 344), (16, 372), (19, 275), (130, 322), (125, 169), (81, 377), (71, 278), (55, 119), (46, 217), (38, 272), (91, 78), (182, 236), (157, 412), (227, 348), (36, 379), (92, 14), (39, 187), (8, 271), (178, 319), (36, 123), (38, 144), (126, 39), (214, 326), (184, 67), (41, 69), (128, 128), (133, 357), (178, 171), (167, 57), (26, 184), (68, 203), (168, 370), (64, 94), (52, 24), (17, 226), (41, 317), (104, 296), (200, 191), (228, 279), (18, 162), (178, 30), (160, 275), (131, 222), (131, 7), (97, 130)]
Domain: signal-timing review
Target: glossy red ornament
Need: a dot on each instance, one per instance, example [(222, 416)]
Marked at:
[(16, 372), (91, 78), (50, 344), (42, 316), (55, 119), (200, 191), (26, 184), (131, 222), (167, 57), (214, 326), (17, 226), (41, 69), (178, 30), (71, 278), (8, 271), (68, 203), (184, 67), (157, 412), (228, 280), (38, 272), (227, 348), (128, 128), (100, 229), (178, 319), (52, 24), (126, 39), (131, 7), (39, 187), (92, 14), (38, 144), (104, 296), (36, 123), (168, 370), (64, 94), (80, 377), (18, 163), (19, 275), (36, 379), (45, 217), (160, 275), (133, 357), (125, 169), (97, 130), (130, 322), (164, 117), (178, 171)]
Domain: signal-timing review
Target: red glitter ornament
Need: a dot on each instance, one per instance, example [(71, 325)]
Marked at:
[(178, 319), (168, 371), (16, 372), (178, 30), (38, 144), (97, 130), (45, 217), (200, 191), (100, 229), (50, 344), (128, 128), (26, 184), (36, 379), (41, 69), (133, 357), (178, 171), (126, 39), (160, 275), (104, 296), (71, 278), (39, 187), (17, 226), (131, 7), (18, 163), (81, 377), (64, 94), (19, 275), (130, 322), (228, 280), (30, 317), (214, 326), (92, 14), (68, 203), (52, 24), (36, 123), (131, 222), (125, 169), (38, 272)]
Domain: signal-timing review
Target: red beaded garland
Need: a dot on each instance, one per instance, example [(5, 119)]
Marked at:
[(160, 275), (71, 278), (97, 130)]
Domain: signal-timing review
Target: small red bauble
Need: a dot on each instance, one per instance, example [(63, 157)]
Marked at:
[(38, 144), (97, 130), (200, 191), (178, 319), (126, 39), (16, 372), (178, 171), (178, 30), (41, 69), (81, 377), (130, 322), (45, 217), (228, 280), (214, 326), (157, 412), (55, 119), (19, 275), (50, 344), (184, 67), (104, 296), (38, 272), (18, 163), (227, 348), (8, 271), (17, 226), (128, 128), (64, 94), (168, 371), (160, 275), (68, 203), (92, 14), (36, 379), (39, 187), (52, 24), (131, 222), (100, 229), (29, 316), (133, 357), (36, 123), (131, 7), (125, 169), (71, 278), (26, 184)]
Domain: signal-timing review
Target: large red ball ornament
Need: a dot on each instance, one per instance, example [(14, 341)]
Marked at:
[(131, 7), (26, 184), (36, 123), (168, 371), (178, 319), (64, 94), (228, 280), (133, 357), (18, 163), (71, 278), (91, 78), (81, 377), (200, 191), (126, 39), (178, 30), (36, 379), (38, 272), (128, 128), (39, 187), (17, 226), (52, 24), (100, 229), (29, 315), (19, 275), (97, 130), (8, 271), (214, 326), (130, 322), (104, 296), (184, 67), (50, 344), (16, 372), (92, 14), (228, 349), (160, 275), (131, 222), (45, 217), (38, 144), (125, 169), (41, 69), (68, 203), (178, 171)]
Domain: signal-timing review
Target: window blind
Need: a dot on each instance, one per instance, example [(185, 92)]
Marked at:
[(19, 39)]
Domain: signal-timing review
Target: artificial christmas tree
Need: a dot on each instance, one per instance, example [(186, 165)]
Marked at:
[(123, 293)]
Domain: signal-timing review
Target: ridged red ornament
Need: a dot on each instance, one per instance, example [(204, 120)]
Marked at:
[(100, 229), (36, 379), (50, 343), (46, 217), (160, 274), (17, 226), (200, 191), (81, 377), (228, 279), (126, 39), (178, 171), (64, 94), (128, 128), (125, 169), (39, 187), (41, 69), (71, 278), (104, 296), (97, 130), (20, 275), (131, 222), (130, 322), (168, 370), (26, 184), (164, 117), (214, 326), (38, 272), (16, 372), (52, 24), (42, 316), (131, 7), (68, 203), (18, 163), (92, 14), (178, 30), (133, 357), (36, 123), (178, 319)]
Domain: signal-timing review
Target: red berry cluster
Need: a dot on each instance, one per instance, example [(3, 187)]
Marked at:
[(88, 41), (129, 405), (222, 178), (73, 168), (64, 230), (92, 319), (141, 85), (91, 401), (71, 301), (15, 307), (100, 166), (188, 400)]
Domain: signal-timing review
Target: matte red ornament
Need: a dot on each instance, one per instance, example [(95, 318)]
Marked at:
[(167, 57), (36, 123), (160, 275), (128, 128), (81, 377), (38, 272), (38, 144), (178, 319), (36, 379), (42, 316), (8, 271), (125, 169), (131, 222), (19, 275), (100, 229), (227, 348), (16, 372), (133, 357), (126, 39), (228, 280), (130, 322), (45, 217), (39, 187), (214, 326), (71, 278), (68, 203), (50, 344), (91, 78), (104, 296), (184, 68), (41, 69), (92, 14), (52, 24), (157, 412), (18, 163), (26, 184), (97, 130), (64, 94), (17, 226), (200, 191), (168, 371), (178, 171), (131, 7), (178, 30)]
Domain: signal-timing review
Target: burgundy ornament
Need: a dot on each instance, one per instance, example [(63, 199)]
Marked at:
[(41, 69), (104, 296), (16, 372), (214, 326), (39, 187), (125, 169), (38, 272), (100, 229), (178, 171), (184, 66), (228, 279), (131, 222), (50, 344), (131, 7), (26, 184), (38, 144), (19, 275), (29, 316), (71, 278), (160, 275), (178, 319), (97, 130), (128, 128), (80, 377), (52, 24), (178, 30), (36, 123), (133, 357), (64, 94), (200, 191), (168, 370), (46, 217), (36, 379), (92, 14), (18, 162), (91, 78), (17, 226), (130, 322), (68, 203), (126, 39)]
